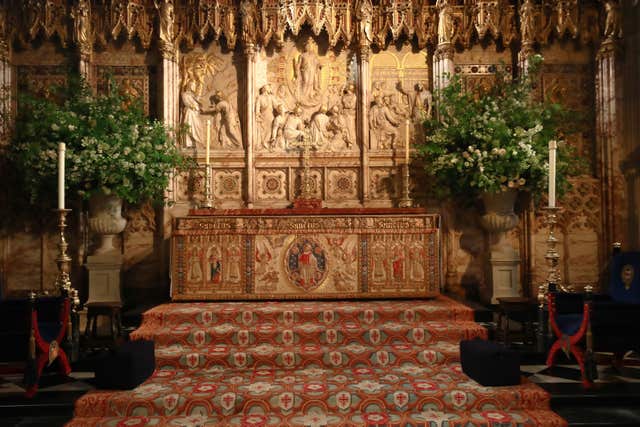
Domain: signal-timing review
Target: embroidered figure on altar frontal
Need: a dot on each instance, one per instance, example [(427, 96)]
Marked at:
[(306, 264), (214, 265)]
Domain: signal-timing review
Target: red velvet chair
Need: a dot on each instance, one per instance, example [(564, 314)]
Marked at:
[(52, 335), (584, 323)]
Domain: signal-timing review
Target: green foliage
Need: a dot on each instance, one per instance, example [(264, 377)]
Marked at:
[(497, 139), (111, 146)]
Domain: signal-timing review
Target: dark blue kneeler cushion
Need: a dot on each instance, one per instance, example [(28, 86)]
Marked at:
[(490, 363), (569, 323), (126, 367)]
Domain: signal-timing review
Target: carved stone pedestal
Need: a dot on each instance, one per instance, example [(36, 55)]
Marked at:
[(505, 275), (104, 277)]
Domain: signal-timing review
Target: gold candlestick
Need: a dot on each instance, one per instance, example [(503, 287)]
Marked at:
[(63, 279), (405, 201), (208, 200)]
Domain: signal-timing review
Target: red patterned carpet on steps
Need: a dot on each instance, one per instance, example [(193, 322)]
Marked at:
[(369, 363)]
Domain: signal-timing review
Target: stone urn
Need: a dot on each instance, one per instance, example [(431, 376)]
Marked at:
[(499, 216), (504, 261), (105, 220)]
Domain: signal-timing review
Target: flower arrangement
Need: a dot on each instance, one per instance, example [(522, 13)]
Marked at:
[(494, 140), (111, 146)]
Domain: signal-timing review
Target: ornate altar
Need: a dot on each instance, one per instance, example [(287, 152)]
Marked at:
[(305, 254)]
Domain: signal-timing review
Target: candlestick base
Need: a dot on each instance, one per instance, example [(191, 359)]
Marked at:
[(208, 200), (405, 201), (63, 280)]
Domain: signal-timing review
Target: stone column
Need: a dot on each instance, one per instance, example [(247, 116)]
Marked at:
[(364, 82), (5, 77), (608, 97), (250, 52), (443, 65)]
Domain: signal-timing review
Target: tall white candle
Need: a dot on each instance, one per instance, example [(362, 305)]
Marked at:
[(61, 151), (553, 146), (208, 140), (406, 142)]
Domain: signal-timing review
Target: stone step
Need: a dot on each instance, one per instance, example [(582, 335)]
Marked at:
[(289, 313), (230, 392), (389, 332), (316, 416), (292, 356)]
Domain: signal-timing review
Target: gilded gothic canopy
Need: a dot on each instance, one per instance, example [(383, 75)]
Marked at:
[(363, 22)]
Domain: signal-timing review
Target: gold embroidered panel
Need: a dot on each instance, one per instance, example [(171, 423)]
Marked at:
[(306, 254)]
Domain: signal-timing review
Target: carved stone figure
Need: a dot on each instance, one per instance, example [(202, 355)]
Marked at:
[(249, 16), (364, 13), (445, 21), (349, 103), (528, 22), (167, 18), (383, 124), (307, 70), (566, 17), (612, 23), (294, 126), (229, 133), (277, 129), (191, 114), (338, 128), (318, 127), (265, 106), (82, 25), (422, 103)]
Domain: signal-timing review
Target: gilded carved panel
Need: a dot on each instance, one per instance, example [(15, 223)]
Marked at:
[(272, 184), (40, 80), (138, 82), (342, 184), (383, 183), (209, 101), (227, 185), (305, 88), (400, 98)]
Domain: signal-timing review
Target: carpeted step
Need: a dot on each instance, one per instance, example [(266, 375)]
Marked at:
[(280, 391), (389, 332), (351, 355), (285, 314), (316, 416)]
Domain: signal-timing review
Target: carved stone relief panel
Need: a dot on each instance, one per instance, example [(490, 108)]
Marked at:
[(40, 80), (227, 185), (342, 184), (317, 183), (383, 183), (572, 85), (305, 88), (579, 225), (272, 184), (188, 186), (399, 92), (209, 94), (138, 82)]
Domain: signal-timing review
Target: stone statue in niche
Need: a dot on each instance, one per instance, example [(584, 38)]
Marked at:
[(364, 13), (191, 114), (383, 123), (307, 69), (528, 21), (227, 122), (349, 103), (265, 106), (446, 26), (167, 18), (249, 18), (612, 24)]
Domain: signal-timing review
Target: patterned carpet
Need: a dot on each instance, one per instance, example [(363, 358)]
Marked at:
[(313, 364)]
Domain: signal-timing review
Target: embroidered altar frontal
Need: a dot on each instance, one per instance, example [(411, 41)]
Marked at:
[(310, 254)]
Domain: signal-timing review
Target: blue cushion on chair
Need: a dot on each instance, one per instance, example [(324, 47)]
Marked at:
[(569, 323), (625, 277)]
